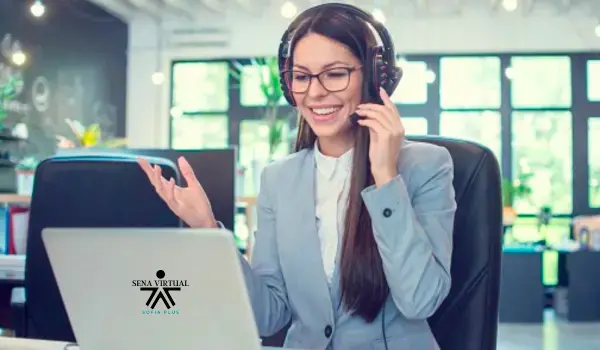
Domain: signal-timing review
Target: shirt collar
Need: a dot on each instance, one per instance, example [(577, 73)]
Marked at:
[(327, 165)]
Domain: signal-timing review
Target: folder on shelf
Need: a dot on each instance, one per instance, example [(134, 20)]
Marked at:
[(17, 225)]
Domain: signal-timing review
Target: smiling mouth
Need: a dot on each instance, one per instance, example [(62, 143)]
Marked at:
[(324, 114)]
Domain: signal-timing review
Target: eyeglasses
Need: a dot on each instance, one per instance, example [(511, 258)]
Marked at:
[(333, 80)]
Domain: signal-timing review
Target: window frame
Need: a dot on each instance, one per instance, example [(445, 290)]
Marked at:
[(581, 109), (196, 114), (584, 110), (589, 119), (511, 110)]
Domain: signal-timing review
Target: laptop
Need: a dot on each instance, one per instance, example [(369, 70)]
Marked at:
[(152, 288)]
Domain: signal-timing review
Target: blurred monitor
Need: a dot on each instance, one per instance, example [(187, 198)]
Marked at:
[(214, 168)]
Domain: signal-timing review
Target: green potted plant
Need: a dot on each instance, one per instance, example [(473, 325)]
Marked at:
[(25, 171), (544, 217), (11, 76), (88, 137), (270, 87), (511, 191)]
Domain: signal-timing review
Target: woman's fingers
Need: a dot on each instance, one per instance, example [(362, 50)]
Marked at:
[(374, 125), (147, 168), (375, 112), (188, 172), (169, 187), (158, 179), (166, 189)]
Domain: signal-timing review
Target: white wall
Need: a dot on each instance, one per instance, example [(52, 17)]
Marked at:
[(477, 31)]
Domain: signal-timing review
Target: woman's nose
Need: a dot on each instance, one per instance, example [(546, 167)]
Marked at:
[(316, 89)]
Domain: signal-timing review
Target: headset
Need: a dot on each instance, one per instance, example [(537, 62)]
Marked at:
[(379, 68)]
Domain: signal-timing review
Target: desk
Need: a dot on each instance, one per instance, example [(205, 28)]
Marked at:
[(9, 198), (7, 343), (576, 296), (12, 271), (521, 289)]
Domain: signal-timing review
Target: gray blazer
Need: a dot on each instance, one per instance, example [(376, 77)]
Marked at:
[(286, 280)]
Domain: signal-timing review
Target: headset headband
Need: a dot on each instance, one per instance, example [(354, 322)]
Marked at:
[(285, 47)]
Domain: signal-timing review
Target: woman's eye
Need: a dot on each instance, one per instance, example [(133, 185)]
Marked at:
[(336, 75)]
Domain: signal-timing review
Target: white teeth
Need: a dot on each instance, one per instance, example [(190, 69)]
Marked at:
[(325, 111)]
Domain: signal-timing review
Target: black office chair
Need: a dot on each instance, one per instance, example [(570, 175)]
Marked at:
[(468, 318), (80, 191)]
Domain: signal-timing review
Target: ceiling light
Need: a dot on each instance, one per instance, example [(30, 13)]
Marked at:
[(597, 30), (158, 78), (510, 5), (19, 58), (429, 76), (176, 112), (509, 73), (37, 9), (378, 15), (289, 10)]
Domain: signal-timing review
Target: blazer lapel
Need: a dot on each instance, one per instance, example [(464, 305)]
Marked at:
[(304, 236)]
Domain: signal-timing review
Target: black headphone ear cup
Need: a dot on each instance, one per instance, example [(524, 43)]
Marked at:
[(284, 88), (378, 72), (284, 83), (399, 73), (385, 74), (396, 73)]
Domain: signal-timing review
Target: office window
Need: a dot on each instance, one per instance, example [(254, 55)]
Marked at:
[(250, 81), (593, 80), (254, 142), (254, 151), (201, 86), (539, 82), (413, 86), (594, 161), (415, 125), (199, 131), (542, 146), (481, 127), (470, 82)]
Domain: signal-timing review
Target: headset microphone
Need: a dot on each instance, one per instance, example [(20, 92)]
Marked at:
[(354, 118)]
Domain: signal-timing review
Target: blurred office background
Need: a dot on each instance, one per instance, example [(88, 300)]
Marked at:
[(521, 77)]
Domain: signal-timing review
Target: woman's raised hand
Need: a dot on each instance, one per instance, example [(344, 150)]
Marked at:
[(189, 203)]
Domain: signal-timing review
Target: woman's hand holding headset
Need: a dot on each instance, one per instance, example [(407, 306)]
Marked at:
[(386, 134), (189, 203)]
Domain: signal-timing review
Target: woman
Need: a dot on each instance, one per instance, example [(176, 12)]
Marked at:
[(354, 237)]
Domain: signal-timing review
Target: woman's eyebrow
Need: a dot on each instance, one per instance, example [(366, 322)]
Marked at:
[(328, 65)]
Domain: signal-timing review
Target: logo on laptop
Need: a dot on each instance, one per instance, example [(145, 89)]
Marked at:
[(162, 292)]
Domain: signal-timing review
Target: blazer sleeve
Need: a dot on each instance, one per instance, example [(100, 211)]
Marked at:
[(264, 280), (414, 235)]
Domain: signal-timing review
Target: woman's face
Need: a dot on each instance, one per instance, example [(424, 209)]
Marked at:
[(326, 104)]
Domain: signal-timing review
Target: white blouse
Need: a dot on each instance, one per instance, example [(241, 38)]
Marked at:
[(332, 185)]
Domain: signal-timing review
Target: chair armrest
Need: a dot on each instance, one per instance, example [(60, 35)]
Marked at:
[(18, 303)]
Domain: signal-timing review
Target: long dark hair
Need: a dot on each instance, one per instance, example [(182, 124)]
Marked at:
[(364, 288)]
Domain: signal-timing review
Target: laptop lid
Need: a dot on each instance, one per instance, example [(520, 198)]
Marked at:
[(152, 289)]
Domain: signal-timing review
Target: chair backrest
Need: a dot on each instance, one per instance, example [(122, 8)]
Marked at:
[(83, 191), (468, 318)]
